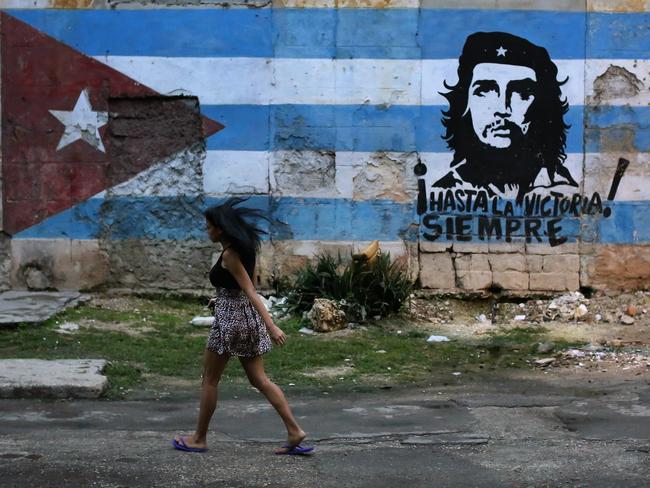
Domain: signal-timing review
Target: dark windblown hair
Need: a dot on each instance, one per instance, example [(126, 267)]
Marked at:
[(546, 113), (235, 224)]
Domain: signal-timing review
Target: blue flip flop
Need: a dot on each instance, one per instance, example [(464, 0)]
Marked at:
[(295, 451), (181, 446)]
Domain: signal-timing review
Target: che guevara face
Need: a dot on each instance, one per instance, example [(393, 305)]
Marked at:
[(499, 98)]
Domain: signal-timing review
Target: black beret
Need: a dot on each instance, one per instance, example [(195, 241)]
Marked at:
[(501, 48)]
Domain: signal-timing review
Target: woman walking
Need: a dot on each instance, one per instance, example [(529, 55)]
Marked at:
[(242, 326)]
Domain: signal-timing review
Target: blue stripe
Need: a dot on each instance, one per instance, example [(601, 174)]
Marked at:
[(246, 127), (181, 218), (630, 224), (609, 127), (622, 36), (171, 32), (344, 128), (562, 34), (331, 33)]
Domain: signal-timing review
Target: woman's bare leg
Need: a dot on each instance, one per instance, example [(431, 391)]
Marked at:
[(254, 368), (213, 367)]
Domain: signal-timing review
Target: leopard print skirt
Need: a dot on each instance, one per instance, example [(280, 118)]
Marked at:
[(237, 329)]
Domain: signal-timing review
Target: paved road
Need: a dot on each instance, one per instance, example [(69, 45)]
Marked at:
[(535, 432)]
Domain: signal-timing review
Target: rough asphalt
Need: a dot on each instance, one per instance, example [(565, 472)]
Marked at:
[(492, 432)]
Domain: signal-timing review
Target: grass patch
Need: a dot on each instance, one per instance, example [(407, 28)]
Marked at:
[(156, 340), (122, 378), (168, 345)]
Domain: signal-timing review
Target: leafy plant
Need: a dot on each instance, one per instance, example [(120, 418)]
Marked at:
[(362, 289)]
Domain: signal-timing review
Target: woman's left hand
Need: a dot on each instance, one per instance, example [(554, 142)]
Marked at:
[(277, 336)]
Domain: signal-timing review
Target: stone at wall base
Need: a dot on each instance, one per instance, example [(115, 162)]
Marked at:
[(65, 378)]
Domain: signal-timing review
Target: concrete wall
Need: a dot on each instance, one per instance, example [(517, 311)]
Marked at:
[(121, 121)]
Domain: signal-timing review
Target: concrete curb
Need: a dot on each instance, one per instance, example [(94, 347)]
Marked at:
[(63, 378), (34, 307)]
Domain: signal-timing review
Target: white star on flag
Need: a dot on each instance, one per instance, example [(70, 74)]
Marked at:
[(82, 122), (501, 51)]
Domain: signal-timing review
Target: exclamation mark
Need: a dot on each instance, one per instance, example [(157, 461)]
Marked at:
[(620, 171), (420, 170)]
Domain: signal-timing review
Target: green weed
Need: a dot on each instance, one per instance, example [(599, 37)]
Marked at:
[(362, 289)]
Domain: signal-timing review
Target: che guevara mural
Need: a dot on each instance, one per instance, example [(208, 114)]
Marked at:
[(505, 127)]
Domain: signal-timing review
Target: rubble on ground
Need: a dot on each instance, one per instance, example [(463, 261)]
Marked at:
[(599, 358), (623, 308), (616, 324), (326, 316)]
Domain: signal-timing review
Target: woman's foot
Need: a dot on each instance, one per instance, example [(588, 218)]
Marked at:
[(189, 443), (294, 439)]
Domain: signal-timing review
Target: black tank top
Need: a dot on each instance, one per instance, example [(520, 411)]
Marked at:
[(221, 277)]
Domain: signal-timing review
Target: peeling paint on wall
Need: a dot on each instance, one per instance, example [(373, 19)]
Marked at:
[(304, 172), (618, 5), (333, 125), (616, 82), (386, 176), (71, 3)]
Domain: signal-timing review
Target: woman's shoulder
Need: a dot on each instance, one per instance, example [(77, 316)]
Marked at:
[(230, 254)]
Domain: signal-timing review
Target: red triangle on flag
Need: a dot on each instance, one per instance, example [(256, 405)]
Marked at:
[(58, 145)]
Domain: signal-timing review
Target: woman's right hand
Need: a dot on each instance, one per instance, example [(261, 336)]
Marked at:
[(277, 336), (211, 303)]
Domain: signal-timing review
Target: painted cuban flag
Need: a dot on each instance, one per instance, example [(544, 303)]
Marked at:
[(58, 158), (332, 121)]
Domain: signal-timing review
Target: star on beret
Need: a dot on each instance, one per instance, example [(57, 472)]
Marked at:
[(501, 51)]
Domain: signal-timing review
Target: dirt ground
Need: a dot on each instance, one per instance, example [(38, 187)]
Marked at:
[(601, 323), (613, 330)]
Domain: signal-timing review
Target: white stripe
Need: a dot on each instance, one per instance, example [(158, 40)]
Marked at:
[(389, 175), (352, 4), (225, 81), (22, 4), (635, 184), (213, 80), (618, 82), (228, 172), (436, 72)]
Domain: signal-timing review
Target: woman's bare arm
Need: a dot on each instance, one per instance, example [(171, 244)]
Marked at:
[(233, 264)]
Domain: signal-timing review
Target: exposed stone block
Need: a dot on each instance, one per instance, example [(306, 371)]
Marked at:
[(437, 271), (463, 262), (554, 281), (508, 262), (510, 280), (481, 262), (507, 247), (472, 262), (587, 270), (429, 246), (563, 263), (566, 248), (470, 247), (474, 280), (535, 263)]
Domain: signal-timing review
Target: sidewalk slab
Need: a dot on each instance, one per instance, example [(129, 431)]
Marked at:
[(63, 378), (33, 307)]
